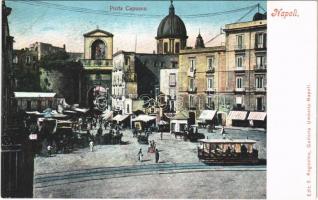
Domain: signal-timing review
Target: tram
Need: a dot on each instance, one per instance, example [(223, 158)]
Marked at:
[(235, 151)]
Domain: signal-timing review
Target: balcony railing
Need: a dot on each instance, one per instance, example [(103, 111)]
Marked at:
[(210, 90), (260, 46), (239, 89), (97, 63), (193, 89), (242, 68), (239, 47), (210, 70), (191, 72), (260, 89), (260, 67)]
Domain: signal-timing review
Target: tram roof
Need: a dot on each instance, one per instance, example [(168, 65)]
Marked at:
[(228, 141)]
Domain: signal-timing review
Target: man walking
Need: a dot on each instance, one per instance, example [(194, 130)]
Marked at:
[(157, 155), (91, 145), (140, 155)]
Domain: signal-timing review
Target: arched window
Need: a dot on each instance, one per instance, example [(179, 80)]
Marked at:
[(98, 50)]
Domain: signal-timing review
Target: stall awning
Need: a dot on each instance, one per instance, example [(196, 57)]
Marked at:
[(107, 115), (207, 114), (257, 116), (81, 110), (169, 115), (237, 115), (120, 118), (34, 94), (33, 113), (144, 118)]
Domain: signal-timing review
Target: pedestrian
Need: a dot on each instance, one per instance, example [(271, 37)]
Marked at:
[(140, 155), (157, 155), (161, 135), (49, 150), (91, 145), (222, 130)]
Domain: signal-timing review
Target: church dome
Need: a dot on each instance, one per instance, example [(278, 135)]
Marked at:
[(172, 26), (259, 16)]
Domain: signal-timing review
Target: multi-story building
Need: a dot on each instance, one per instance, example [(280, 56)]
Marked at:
[(246, 63), (124, 82), (136, 77), (43, 49), (201, 79)]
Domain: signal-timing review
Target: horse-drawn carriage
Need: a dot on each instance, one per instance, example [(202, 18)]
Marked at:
[(190, 134), (239, 151), (112, 137)]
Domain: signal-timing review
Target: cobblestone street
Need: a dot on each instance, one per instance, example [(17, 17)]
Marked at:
[(179, 174)]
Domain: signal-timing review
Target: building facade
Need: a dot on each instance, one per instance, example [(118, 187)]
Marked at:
[(43, 49), (246, 64), (96, 76), (201, 79)]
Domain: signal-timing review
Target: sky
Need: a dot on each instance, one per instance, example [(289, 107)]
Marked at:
[(30, 22)]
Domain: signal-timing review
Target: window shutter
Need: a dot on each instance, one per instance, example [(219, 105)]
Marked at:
[(256, 40), (264, 40)]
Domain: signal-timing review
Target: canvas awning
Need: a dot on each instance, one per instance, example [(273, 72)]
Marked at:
[(107, 114), (183, 115), (207, 114), (33, 113), (120, 118), (257, 116), (144, 118), (81, 110), (34, 94), (237, 115)]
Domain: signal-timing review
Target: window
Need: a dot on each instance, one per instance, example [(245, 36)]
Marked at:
[(28, 60), (172, 93), (239, 61), (126, 60), (259, 104), (260, 40), (28, 105), (172, 79), (192, 65), (191, 101), (191, 84), (210, 83), (210, 103), (177, 47), (15, 59), (259, 82), (210, 63), (238, 100), (165, 47), (239, 82), (239, 41), (128, 108), (260, 61)]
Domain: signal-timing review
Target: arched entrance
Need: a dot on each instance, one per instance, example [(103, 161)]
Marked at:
[(98, 50), (97, 97)]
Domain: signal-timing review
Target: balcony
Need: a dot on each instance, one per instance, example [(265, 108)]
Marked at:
[(239, 69), (210, 70), (260, 90), (260, 47), (210, 90), (260, 68), (239, 90), (240, 47), (97, 63), (191, 73), (192, 90)]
